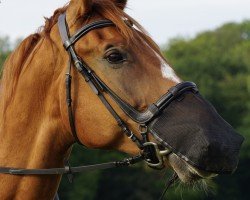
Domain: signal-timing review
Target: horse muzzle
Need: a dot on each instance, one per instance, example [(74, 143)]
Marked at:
[(190, 127)]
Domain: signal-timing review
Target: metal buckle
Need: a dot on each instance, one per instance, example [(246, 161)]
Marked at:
[(159, 155)]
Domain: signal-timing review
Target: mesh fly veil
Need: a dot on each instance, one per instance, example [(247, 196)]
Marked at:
[(191, 127)]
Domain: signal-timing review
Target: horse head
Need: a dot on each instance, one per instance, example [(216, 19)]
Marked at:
[(116, 80), (126, 59)]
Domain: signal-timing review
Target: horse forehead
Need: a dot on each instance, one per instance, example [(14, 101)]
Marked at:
[(101, 39), (106, 34)]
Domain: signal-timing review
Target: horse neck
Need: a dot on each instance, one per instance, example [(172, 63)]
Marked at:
[(31, 131)]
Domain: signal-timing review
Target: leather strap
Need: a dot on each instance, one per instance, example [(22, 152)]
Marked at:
[(88, 75), (69, 103), (84, 30), (64, 31), (72, 170)]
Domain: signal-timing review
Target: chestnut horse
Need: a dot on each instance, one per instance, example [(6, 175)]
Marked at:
[(35, 130)]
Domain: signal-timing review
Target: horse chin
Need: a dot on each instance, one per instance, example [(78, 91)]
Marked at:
[(186, 173)]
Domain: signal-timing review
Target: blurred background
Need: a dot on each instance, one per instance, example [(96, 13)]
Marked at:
[(206, 41)]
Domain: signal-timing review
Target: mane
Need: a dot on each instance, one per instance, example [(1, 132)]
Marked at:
[(105, 8), (13, 66)]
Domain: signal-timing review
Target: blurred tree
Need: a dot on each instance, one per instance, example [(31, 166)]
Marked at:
[(5, 48)]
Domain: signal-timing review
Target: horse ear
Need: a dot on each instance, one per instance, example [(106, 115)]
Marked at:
[(120, 3), (77, 9)]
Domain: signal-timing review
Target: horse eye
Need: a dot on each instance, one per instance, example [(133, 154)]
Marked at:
[(115, 58)]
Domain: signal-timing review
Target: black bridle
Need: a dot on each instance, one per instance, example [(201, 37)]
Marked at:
[(150, 151)]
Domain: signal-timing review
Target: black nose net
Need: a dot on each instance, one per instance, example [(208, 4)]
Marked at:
[(192, 129)]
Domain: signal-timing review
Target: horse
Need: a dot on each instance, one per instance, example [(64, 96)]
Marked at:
[(35, 127)]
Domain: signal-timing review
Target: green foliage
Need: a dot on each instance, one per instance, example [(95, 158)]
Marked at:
[(4, 50), (219, 62)]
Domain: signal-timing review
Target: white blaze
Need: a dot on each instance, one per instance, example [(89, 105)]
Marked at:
[(168, 72)]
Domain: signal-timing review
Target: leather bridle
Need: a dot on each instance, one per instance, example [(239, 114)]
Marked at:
[(150, 152)]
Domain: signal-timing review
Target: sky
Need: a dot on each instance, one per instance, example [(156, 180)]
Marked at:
[(163, 19)]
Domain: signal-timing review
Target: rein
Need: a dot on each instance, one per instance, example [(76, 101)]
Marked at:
[(71, 170)]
